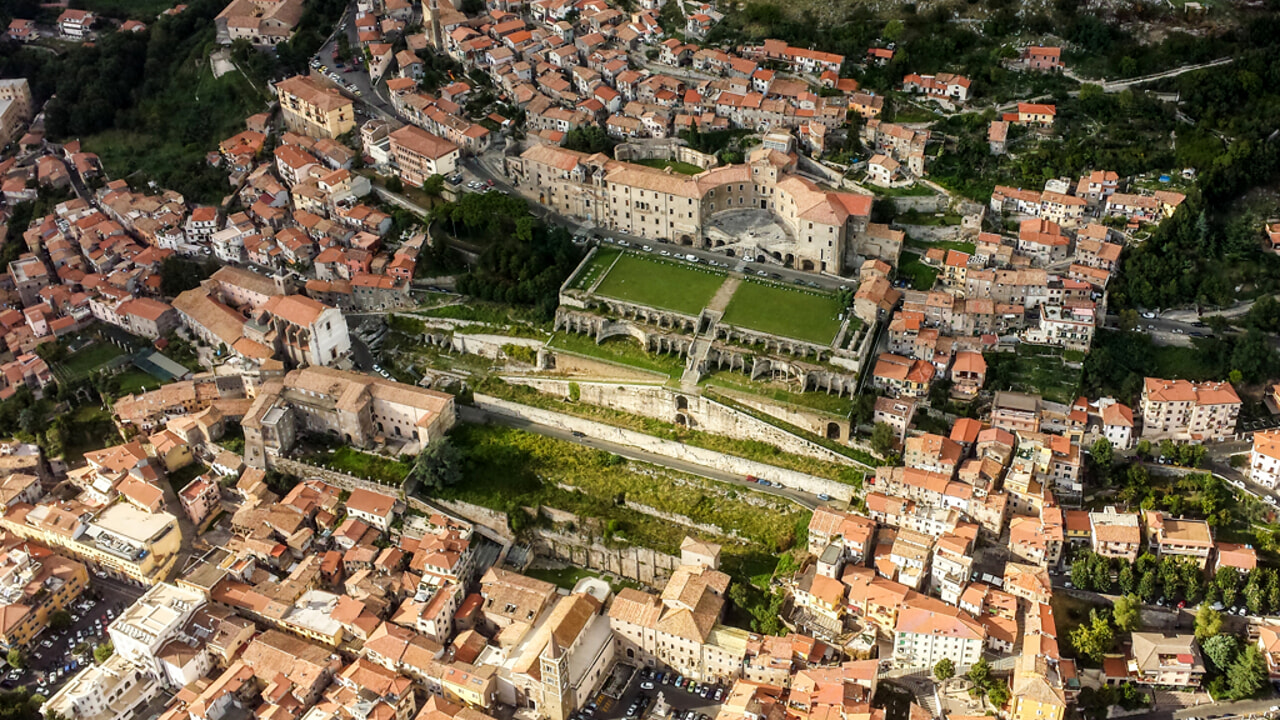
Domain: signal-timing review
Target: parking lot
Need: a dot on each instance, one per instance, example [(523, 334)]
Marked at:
[(684, 700), (51, 660)]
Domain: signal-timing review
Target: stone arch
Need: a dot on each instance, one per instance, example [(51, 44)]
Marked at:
[(760, 257), (730, 253), (776, 255), (686, 240), (719, 243), (789, 260), (682, 420), (833, 431), (682, 402), (806, 265)]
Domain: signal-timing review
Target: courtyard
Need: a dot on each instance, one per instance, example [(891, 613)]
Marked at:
[(806, 315), (666, 284)]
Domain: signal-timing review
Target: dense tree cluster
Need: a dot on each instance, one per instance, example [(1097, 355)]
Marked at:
[(1119, 361), (521, 261)]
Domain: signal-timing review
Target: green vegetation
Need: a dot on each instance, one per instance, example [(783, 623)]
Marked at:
[(911, 267), (86, 360), (569, 576), (509, 469), (749, 449), (667, 284), (1035, 369), (780, 310), (361, 464), (620, 351), (600, 262), (683, 168), (181, 477), (913, 190), (924, 245), (133, 381), (523, 261)]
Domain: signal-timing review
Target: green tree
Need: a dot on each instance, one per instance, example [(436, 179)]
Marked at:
[(1093, 639), (1248, 674), (103, 651), (1103, 454), (979, 673), (883, 439), (15, 658), (1221, 650), (439, 465), (1126, 612), (1128, 580), (1143, 449), (59, 620), (998, 694), (944, 670), (892, 30), (1208, 622), (434, 185)]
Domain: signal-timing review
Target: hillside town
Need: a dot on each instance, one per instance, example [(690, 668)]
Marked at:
[(614, 360)]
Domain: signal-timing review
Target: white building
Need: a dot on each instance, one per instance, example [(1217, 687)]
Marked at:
[(1264, 459), (1117, 425), (114, 690), (929, 630), (141, 633)]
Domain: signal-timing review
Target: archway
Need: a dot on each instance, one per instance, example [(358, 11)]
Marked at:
[(833, 431), (806, 265), (682, 402), (681, 419), (760, 257), (686, 240), (719, 243), (790, 260), (730, 253), (776, 255)]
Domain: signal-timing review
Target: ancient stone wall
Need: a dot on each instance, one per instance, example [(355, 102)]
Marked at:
[(759, 430)]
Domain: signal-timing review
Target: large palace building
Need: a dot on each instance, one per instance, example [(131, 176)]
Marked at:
[(662, 204)]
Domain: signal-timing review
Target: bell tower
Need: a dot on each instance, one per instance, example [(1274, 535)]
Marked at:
[(557, 698)]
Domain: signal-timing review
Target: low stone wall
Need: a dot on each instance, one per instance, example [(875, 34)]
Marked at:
[(342, 480), (643, 565), (933, 233), (665, 149), (667, 448), (920, 203), (661, 403), (494, 520)]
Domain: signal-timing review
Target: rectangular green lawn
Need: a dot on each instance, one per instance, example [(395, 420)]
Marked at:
[(600, 262), (665, 284), (779, 310)]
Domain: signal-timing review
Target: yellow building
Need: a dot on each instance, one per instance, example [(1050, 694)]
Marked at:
[(311, 109), (1037, 688), (34, 584), (470, 685), (122, 540)]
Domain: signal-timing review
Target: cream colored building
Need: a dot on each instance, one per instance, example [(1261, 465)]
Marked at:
[(311, 109), (349, 406), (680, 629), (661, 204), (122, 540), (1188, 411), (18, 91)]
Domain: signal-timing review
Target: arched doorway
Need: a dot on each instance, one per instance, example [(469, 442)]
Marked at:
[(682, 420), (806, 265), (790, 260), (833, 431), (686, 240), (682, 402), (776, 255), (730, 252)]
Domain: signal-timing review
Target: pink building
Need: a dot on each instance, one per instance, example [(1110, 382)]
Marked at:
[(199, 499)]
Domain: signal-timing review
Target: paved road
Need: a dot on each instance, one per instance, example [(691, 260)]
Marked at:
[(1244, 708), (475, 415)]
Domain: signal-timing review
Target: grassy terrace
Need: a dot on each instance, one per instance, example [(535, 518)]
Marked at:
[(620, 351), (82, 362), (1037, 369), (921, 276), (780, 310), (683, 168), (508, 469), (924, 245), (600, 262), (666, 284), (361, 464), (749, 449)]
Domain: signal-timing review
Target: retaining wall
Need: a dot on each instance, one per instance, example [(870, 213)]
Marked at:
[(667, 448), (699, 413), (635, 563)]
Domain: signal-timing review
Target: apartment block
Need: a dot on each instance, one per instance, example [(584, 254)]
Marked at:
[(314, 110), (418, 155), (1188, 411)]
